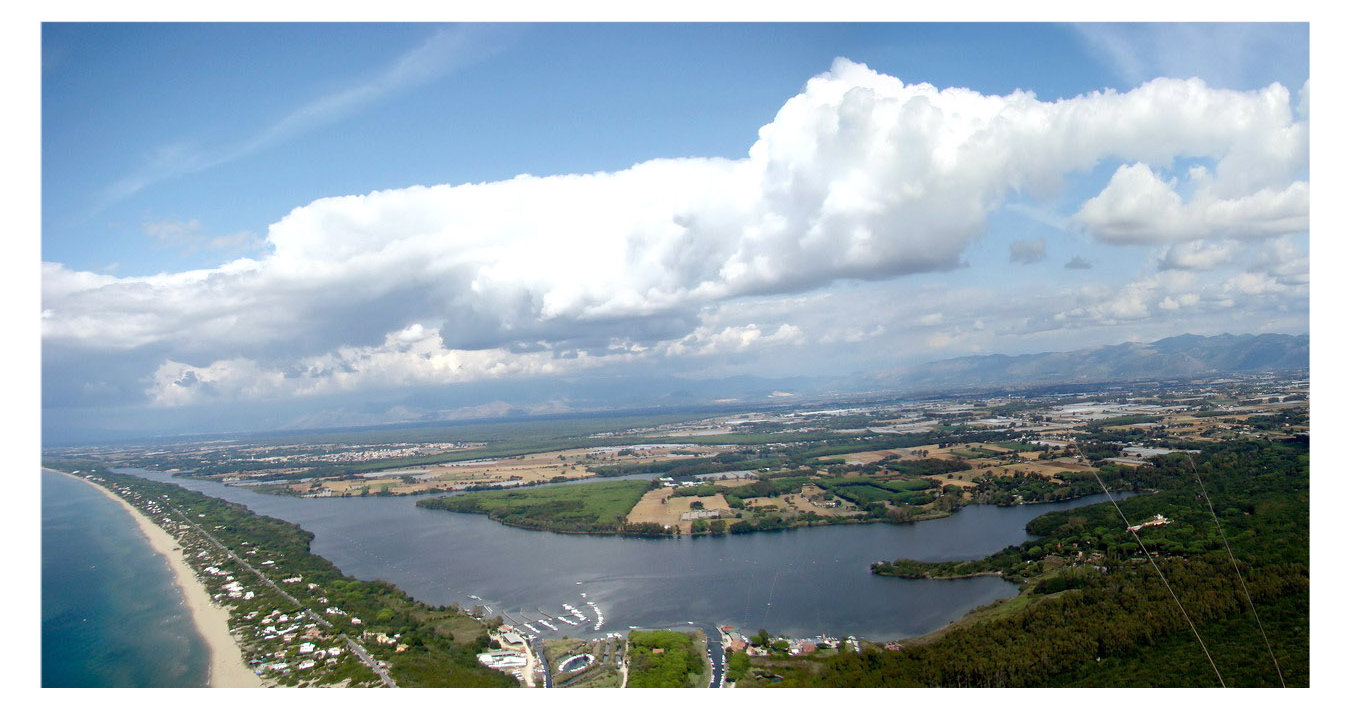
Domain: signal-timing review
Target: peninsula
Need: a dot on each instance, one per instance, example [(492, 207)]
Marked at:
[(227, 667)]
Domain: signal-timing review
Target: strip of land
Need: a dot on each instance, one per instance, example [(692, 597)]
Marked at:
[(227, 669)]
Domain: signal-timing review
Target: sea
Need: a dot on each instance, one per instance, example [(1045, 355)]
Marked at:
[(111, 613)]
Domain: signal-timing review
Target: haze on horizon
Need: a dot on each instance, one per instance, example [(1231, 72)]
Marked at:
[(376, 223)]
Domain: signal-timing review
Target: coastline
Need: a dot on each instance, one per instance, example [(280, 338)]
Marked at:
[(227, 668)]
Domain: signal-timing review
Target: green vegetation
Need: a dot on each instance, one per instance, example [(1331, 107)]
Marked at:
[(441, 643), (737, 665), (1124, 420), (594, 507), (976, 452), (926, 467), (1098, 613), (1015, 445), (666, 659), (602, 672), (778, 486), (1011, 490), (862, 492)]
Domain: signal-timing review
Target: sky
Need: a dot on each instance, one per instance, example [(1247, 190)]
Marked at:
[(254, 226)]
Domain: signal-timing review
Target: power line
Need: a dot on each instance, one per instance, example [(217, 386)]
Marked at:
[(1245, 588), (1152, 561)]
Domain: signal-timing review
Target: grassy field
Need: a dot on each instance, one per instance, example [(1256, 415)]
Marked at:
[(598, 507)]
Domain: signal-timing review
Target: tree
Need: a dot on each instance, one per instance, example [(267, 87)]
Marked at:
[(697, 505)]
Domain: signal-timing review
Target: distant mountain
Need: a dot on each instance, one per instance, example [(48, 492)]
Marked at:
[(1175, 357)]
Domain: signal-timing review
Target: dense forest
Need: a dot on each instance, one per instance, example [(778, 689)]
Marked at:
[(665, 659), (1098, 613)]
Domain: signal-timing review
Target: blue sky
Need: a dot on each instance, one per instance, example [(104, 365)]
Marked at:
[(195, 110), (199, 249)]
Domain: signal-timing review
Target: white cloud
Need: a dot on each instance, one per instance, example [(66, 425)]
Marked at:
[(1139, 207), (858, 177), (414, 356), (1284, 260), (706, 341), (1200, 255), (1177, 295)]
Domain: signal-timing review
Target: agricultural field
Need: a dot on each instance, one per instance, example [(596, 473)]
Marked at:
[(811, 498), (598, 507), (516, 470), (661, 507), (877, 455)]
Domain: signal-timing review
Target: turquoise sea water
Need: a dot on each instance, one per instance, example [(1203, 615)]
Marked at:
[(111, 614)]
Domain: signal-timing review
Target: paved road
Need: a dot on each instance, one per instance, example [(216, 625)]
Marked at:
[(539, 649), (362, 654), (356, 648)]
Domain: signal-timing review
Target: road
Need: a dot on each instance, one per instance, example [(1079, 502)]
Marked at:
[(538, 647), (356, 648)]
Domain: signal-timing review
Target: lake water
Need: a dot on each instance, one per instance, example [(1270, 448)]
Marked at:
[(111, 613), (799, 582)]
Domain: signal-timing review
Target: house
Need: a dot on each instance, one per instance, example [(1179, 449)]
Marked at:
[(1157, 520)]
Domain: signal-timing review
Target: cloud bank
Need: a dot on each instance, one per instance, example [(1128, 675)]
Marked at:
[(859, 177)]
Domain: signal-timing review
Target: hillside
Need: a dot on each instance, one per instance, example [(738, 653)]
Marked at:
[(1176, 357)]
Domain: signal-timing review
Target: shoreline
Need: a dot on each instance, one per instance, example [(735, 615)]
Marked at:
[(226, 668)]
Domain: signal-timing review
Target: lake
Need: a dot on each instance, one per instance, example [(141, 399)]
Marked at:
[(800, 582)]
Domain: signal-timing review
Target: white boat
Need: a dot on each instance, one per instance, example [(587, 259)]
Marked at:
[(543, 622), (533, 630)]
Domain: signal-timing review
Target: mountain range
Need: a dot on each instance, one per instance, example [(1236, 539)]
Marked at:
[(1175, 357)]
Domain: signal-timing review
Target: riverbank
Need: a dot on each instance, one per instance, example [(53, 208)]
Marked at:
[(227, 668)]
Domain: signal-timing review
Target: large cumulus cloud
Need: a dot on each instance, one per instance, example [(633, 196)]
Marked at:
[(860, 176)]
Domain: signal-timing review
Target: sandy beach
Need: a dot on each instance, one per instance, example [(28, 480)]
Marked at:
[(228, 669)]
